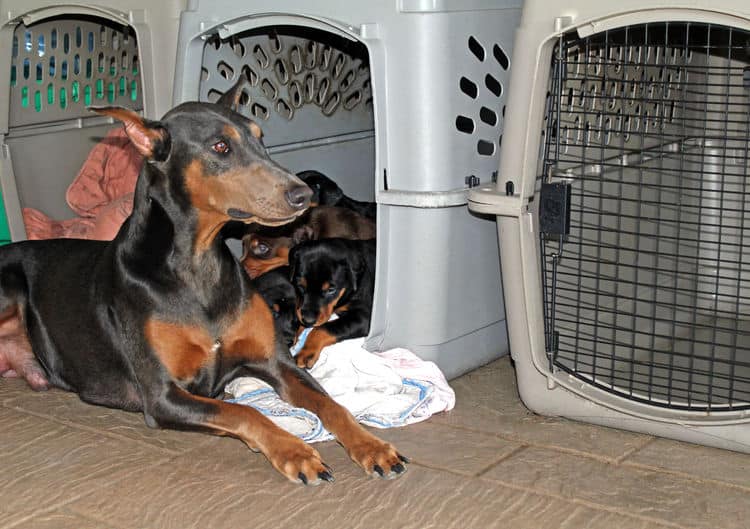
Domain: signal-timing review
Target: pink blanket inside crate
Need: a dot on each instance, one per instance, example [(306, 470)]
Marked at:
[(101, 194)]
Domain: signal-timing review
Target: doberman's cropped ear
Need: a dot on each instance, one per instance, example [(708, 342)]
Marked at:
[(150, 138), (231, 98)]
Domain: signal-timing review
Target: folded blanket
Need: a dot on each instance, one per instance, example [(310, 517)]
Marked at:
[(384, 390)]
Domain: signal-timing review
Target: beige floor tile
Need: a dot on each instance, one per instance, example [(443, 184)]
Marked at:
[(487, 401), (61, 520), (434, 446), (659, 496), (171, 496), (66, 407), (54, 463), (694, 460), (18, 430), (11, 388), (454, 449)]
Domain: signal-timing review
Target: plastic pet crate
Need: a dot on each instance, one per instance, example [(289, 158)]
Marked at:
[(623, 216), (401, 103), (56, 60)]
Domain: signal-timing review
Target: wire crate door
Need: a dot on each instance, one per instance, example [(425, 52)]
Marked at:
[(647, 294)]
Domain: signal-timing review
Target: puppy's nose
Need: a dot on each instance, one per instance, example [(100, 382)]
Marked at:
[(308, 321), (299, 197)]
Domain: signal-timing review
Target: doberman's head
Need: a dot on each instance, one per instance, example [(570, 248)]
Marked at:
[(215, 164), (279, 294), (324, 274)]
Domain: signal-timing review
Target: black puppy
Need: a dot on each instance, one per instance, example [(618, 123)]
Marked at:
[(332, 276), (279, 294), (327, 193)]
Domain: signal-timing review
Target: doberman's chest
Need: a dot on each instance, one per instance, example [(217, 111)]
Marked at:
[(186, 348)]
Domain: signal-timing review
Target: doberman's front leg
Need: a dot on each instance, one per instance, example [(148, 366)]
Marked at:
[(376, 457), (298, 461)]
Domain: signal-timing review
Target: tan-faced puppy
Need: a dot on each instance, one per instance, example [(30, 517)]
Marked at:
[(332, 276), (266, 249)]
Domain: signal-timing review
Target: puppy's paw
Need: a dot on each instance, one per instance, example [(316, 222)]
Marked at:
[(307, 357), (314, 344)]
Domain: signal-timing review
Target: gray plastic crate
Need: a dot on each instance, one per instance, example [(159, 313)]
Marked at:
[(58, 59), (399, 102), (637, 316)]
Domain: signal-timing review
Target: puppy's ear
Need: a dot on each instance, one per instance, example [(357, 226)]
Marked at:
[(150, 138), (231, 98), (246, 245), (354, 274), (358, 268), (292, 258), (302, 234)]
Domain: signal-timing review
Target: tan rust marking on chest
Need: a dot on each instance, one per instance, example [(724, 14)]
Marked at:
[(252, 335), (182, 349)]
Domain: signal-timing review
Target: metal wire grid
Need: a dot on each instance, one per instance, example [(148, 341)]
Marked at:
[(648, 295)]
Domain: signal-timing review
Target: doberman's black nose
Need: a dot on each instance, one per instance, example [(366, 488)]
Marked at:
[(299, 197)]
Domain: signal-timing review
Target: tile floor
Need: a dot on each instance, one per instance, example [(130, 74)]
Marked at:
[(488, 463)]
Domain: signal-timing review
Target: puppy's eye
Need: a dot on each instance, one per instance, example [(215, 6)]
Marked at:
[(261, 250), (330, 291), (221, 147)]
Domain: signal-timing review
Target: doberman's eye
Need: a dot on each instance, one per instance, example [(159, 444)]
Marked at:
[(330, 291), (221, 147)]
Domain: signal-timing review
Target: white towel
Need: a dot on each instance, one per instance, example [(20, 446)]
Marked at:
[(384, 390)]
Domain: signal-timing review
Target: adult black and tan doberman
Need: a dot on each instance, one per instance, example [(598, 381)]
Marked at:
[(162, 317)]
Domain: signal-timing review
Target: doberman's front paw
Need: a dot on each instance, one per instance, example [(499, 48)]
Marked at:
[(378, 458), (299, 462)]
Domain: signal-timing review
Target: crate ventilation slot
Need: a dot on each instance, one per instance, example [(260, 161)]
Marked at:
[(287, 72), (60, 66), (485, 91)]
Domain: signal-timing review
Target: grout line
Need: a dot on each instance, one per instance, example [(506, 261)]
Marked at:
[(619, 460), (65, 504), (502, 458), (530, 443), (588, 504), (97, 431), (689, 477), (469, 475)]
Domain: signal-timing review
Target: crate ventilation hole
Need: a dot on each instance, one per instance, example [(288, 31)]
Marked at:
[(491, 89), (289, 72), (605, 102), (55, 67)]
